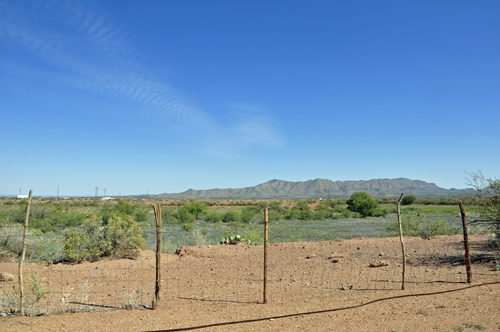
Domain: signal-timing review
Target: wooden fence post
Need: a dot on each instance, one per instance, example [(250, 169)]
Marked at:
[(23, 254), (468, 266), (401, 239), (265, 254), (157, 211)]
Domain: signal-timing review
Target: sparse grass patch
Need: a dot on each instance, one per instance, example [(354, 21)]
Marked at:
[(475, 326)]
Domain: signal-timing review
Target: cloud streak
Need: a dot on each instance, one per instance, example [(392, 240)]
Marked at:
[(86, 51)]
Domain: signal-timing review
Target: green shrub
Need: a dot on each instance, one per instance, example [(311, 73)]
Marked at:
[(378, 212), (408, 200), (274, 215), (125, 236), (347, 214), (263, 205), (321, 215), (362, 203), (141, 215), (213, 217), (11, 242), (301, 211), (118, 238), (248, 214), (184, 216), (231, 216), (76, 245), (168, 215), (124, 206), (327, 203)]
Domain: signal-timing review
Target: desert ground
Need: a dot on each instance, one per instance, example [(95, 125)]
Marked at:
[(350, 285)]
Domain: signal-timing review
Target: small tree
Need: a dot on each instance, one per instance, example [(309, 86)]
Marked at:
[(488, 190), (363, 203), (196, 208)]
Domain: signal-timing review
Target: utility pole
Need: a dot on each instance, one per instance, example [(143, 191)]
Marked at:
[(328, 193), (147, 193), (57, 197), (104, 192), (20, 190), (96, 192)]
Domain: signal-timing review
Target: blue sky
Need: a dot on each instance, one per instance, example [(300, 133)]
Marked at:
[(164, 96)]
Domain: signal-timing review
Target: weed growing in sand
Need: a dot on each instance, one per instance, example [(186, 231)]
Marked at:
[(37, 289)]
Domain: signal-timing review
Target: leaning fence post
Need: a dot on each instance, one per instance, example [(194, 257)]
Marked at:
[(466, 245), (402, 242), (157, 211), (265, 254), (23, 254)]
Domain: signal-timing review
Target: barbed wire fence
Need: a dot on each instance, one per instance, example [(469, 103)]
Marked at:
[(327, 261)]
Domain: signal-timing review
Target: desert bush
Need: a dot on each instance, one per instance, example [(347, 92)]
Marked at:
[(117, 238), (248, 214), (141, 215), (278, 206), (126, 237), (124, 207), (57, 220), (277, 211), (213, 217), (362, 203), (347, 214), (321, 214), (184, 216), (301, 211), (11, 241), (408, 200), (417, 225), (379, 212), (327, 203), (168, 215), (231, 216)]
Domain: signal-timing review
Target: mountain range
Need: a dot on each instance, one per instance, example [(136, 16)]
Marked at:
[(319, 188)]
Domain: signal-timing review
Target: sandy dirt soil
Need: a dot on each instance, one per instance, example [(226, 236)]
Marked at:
[(352, 285)]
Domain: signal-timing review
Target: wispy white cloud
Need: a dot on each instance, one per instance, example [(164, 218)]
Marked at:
[(85, 49)]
